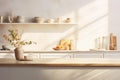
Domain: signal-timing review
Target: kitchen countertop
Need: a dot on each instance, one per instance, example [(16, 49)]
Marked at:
[(72, 62), (63, 51)]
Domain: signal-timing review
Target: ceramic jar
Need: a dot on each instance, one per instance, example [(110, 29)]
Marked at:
[(38, 20), (20, 19)]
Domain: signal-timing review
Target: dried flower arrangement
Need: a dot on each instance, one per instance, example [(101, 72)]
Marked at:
[(15, 38)]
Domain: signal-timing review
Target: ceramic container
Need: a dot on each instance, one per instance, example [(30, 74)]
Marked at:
[(38, 20), (57, 20), (20, 19), (50, 20), (19, 53)]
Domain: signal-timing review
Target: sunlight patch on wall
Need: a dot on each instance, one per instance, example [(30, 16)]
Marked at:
[(87, 36), (92, 11), (45, 41), (48, 40), (93, 23)]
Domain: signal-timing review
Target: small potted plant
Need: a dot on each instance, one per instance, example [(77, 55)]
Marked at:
[(14, 37)]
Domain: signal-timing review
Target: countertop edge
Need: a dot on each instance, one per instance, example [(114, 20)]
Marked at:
[(71, 51), (61, 65)]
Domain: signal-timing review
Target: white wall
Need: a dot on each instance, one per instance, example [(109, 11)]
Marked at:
[(91, 16), (114, 19)]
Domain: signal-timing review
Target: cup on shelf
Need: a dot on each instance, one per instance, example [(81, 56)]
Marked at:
[(67, 20), (10, 19), (1, 19), (50, 20), (57, 20)]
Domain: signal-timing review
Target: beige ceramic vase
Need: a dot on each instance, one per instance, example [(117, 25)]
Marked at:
[(19, 53)]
